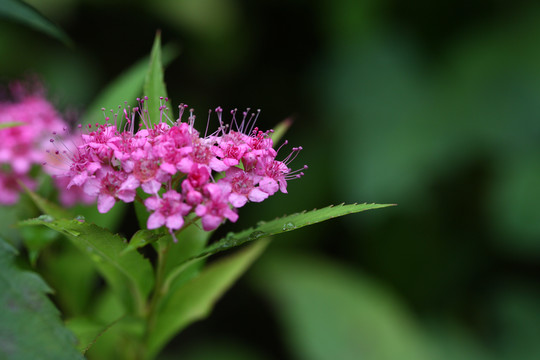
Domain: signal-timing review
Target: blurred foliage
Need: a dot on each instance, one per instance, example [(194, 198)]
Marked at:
[(430, 105)]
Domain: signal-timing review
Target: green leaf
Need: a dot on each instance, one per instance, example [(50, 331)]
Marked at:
[(140, 210), (141, 238), (47, 207), (154, 86), (10, 124), (30, 325), (280, 225), (25, 14), (280, 130), (191, 241), (112, 220), (101, 341), (125, 87), (86, 330), (130, 275), (196, 298), (71, 273), (36, 239), (330, 312)]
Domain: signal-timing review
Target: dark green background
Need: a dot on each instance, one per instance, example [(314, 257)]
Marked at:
[(433, 106)]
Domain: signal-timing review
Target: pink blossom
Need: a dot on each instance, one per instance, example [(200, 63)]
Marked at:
[(23, 146), (215, 173), (108, 186), (216, 208), (243, 187), (168, 211)]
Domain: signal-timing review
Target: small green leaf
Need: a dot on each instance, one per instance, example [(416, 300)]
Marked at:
[(36, 239), (71, 274), (141, 238), (25, 14), (30, 325), (191, 241), (154, 86), (47, 207), (130, 275), (125, 87), (86, 330), (101, 341), (196, 298), (10, 124), (280, 130), (280, 225)]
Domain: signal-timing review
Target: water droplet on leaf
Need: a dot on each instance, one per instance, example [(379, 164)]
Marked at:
[(289, 226), (256, 235), (46, 218), (81, 219)]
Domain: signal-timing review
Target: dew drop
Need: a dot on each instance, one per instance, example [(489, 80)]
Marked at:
[(80, 219), (46, 218), (289, 226), (256, 235)]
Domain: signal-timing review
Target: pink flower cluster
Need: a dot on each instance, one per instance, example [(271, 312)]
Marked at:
[(22, 146), (181, 171)]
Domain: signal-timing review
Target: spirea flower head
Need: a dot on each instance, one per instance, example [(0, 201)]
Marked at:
[(182, 172), (22, 146)]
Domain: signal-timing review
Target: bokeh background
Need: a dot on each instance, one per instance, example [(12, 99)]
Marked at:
[(434, 106)]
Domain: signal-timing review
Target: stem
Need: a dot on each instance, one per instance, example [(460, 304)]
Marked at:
[(163, 250)]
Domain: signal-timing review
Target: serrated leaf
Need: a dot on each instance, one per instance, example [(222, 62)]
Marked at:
[(196, 298), (280, 225), (130, 275), (30, 325), (154, 86), (21, 12), (126, 87)]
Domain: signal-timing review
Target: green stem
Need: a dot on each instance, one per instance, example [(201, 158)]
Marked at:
[(163, 250)]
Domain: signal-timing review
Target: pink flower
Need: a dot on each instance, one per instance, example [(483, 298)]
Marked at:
[(193, 185), (216, 208), (109, 185), (242, 187), (22, 148), (168, 211), (10, 188), (216, 173)]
